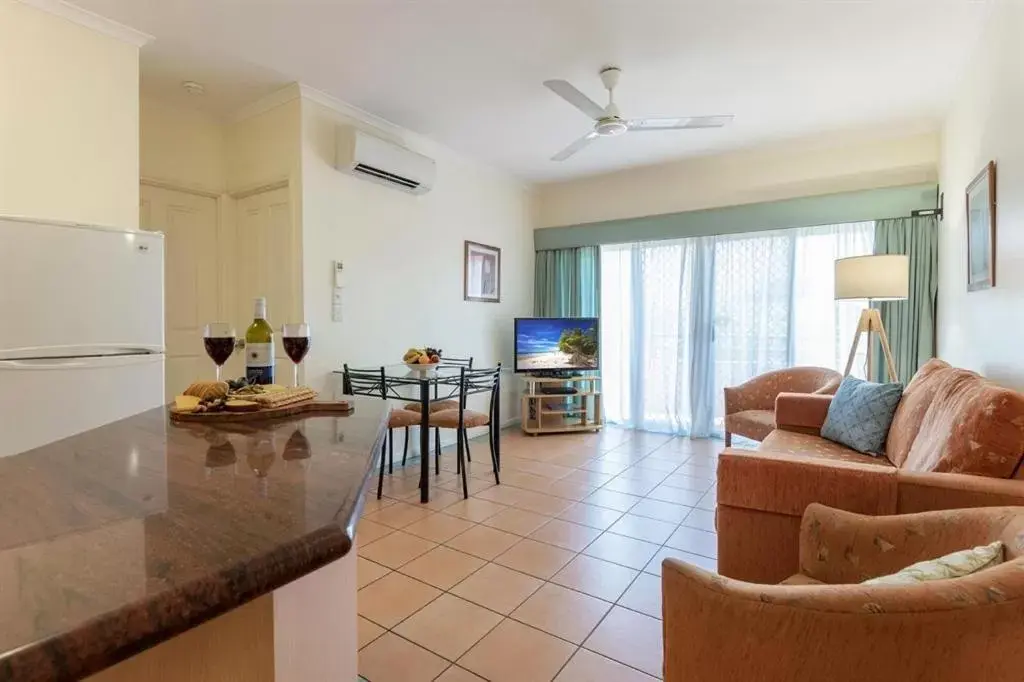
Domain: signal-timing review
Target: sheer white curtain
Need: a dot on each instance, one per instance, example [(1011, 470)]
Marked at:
[(682, 319)]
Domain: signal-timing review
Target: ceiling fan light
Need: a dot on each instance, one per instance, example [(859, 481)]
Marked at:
[(610, 127)]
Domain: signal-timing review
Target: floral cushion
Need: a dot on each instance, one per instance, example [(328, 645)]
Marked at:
[(955, 565)]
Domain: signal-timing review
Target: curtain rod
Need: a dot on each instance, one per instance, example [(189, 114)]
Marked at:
[(937, 212)]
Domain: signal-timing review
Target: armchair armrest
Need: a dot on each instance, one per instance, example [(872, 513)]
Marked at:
[(717, 629), (787, 484), (802, 412), (841, 547)]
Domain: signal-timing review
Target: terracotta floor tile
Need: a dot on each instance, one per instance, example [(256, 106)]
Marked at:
[(654, 565), (501, 494), (630, 638), (586, 666), (535, 558), (368, 631), (393, 598), (569, 490), (566, 535), (562, 612), (571, 459), (667, 493), (474, 509), (622, 550), (392, 658), (399, 515), (709, 502), (623, 455), (643, 528), (483, 542), (439, 527), (525, 480), (603, 467), (629, 486), (396, 549), (498, 588), (698, 471), (448, 626), (592, 478), (636, 473), (372, 504), (457, 674), (701, 519), (474, 485), (644, 595), (539, 503), (367, 572), (650, 463), (513, 652), (591, 515), (368, 531), (663, 511), (700, 485), (517, 521), (601, 579), (612, 500), (691, 540), (439, 499), (442, 567)]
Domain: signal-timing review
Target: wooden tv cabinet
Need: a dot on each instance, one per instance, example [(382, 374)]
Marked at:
[(562, 413)]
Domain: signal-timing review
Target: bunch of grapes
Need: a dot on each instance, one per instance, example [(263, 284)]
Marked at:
[(432, 351)]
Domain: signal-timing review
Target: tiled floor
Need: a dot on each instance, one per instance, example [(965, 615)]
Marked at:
[(553, 575)]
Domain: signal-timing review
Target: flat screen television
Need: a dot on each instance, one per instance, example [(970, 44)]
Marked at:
[(550, 345)]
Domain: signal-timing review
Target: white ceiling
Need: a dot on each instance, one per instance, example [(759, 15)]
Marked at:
[(468, 72)]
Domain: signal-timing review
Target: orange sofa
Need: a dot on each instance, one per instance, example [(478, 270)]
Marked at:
[(819, 624), (956, 440), (750, 407)]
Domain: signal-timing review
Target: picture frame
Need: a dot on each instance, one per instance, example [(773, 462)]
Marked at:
[(981, 229), (481, 268)]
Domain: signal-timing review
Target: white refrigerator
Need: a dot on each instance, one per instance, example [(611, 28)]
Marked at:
[(81, 329)]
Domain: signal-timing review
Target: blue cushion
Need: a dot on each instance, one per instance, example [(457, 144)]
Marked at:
[(861, 413)]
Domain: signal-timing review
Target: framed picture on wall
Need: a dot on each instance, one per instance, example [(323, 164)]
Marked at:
[(981, 230), (482, 273)]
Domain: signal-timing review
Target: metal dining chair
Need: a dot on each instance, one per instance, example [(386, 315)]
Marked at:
[(438, 405), (473, 382), (374, 383)]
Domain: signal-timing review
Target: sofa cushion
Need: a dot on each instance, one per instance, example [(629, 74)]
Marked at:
[(970, 426), (792, 443), (860, 414), (754, 424), (917, 396), (953, 565)]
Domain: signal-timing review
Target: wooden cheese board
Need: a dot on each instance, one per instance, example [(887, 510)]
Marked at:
[(305, 407)]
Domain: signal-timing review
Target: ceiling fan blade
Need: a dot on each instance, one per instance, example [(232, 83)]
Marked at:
[(573, 96), (575, 146), (679, 122)]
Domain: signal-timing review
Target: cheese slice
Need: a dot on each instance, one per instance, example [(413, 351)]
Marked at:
[(186, 403)]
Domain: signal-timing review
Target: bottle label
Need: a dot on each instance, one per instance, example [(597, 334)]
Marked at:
[(259, 363)]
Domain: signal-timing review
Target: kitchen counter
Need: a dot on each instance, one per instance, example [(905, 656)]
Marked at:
[(120, 538)]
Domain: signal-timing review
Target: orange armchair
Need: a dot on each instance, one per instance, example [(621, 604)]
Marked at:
[(821, 624), (750, 407)]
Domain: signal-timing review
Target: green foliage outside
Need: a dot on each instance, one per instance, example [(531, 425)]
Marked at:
[(581, 345)]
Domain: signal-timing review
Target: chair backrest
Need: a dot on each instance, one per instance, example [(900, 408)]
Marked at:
[(459, 362), (473, 381), (369, 382)]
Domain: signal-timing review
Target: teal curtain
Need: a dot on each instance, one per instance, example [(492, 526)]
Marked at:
[(567, 282), (910, 324)]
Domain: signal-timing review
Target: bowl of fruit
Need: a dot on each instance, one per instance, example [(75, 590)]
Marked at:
[(422, 358)]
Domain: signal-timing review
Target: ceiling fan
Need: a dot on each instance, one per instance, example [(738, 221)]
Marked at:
[(607, 120)]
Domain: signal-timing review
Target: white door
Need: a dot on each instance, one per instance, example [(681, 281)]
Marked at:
[(265, 264), (191, 288)]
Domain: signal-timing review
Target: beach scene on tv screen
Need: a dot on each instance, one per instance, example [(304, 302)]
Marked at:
[(556, 344)]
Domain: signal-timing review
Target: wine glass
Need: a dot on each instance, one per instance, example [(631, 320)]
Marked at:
[(219, 340), (295, 338)]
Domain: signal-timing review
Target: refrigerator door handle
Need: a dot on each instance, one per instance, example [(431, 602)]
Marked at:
[(42, 364), (35, 364)]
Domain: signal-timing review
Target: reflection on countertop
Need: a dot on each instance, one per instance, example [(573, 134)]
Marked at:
[(118, 538)]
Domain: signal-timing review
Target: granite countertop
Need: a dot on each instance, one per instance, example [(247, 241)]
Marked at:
[(119, 538)]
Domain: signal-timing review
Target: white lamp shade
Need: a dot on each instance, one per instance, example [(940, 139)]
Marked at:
[(879, 277)]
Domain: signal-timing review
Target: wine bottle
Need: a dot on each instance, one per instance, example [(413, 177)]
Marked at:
[(259, 347)]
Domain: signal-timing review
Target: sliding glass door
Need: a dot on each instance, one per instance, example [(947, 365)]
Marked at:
[(682, 319)]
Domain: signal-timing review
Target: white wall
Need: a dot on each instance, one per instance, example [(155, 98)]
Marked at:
[(403, 257), (781, 171), (984, 330), (69, 120), (182, 147)]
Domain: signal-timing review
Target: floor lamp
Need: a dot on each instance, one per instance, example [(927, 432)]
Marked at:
[(882, 277)]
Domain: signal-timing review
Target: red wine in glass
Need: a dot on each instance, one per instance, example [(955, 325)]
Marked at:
[(295, 339), (219, 341)]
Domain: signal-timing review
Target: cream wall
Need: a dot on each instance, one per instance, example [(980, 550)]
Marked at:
[(983, 330), (403, 258), (69, 120), (783, 171), (182, 147)]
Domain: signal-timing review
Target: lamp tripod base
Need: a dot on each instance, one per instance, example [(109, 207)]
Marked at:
[(871, 322)]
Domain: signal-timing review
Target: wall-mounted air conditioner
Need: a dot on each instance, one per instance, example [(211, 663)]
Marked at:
[(372, 158)]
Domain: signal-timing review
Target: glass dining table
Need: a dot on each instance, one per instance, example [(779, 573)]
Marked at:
[(424, 384)]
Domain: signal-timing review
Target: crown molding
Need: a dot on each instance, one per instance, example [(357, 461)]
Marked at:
[(267, 102), (350, 111), (91, 20)]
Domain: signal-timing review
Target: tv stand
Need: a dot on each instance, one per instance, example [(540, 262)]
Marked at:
[(562, 404)]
